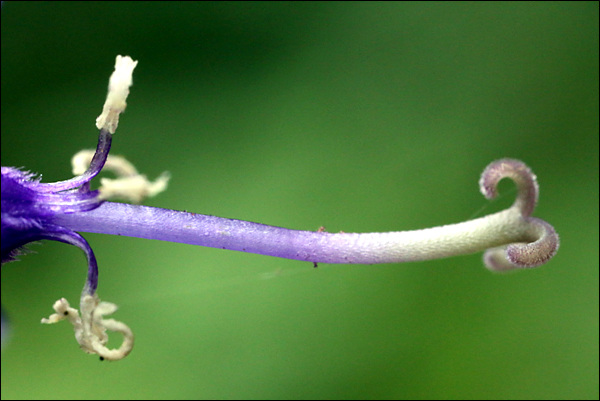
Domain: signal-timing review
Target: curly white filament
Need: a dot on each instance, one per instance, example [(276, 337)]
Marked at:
[(90, 328), (129, 184)]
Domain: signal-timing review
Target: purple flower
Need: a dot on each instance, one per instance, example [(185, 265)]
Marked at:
[(32, 210)]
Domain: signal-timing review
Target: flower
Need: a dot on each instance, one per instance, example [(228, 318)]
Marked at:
[(29, 206), (32, 210)]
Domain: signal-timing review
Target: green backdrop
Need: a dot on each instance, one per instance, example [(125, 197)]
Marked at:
[(353, 116)]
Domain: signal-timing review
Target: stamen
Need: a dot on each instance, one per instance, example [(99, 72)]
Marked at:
[(130, 185), (96, 164), (90, 327), (118, 89)]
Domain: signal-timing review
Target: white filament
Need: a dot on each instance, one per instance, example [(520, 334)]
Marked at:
[(129, 185), (118, 89), (90, 328)]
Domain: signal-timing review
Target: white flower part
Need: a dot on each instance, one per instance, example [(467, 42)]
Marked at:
[(130, 185), (118, 89), (90, 328), (134, 189)]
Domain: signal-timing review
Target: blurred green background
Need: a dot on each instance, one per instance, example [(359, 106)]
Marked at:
[(353, 116)]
